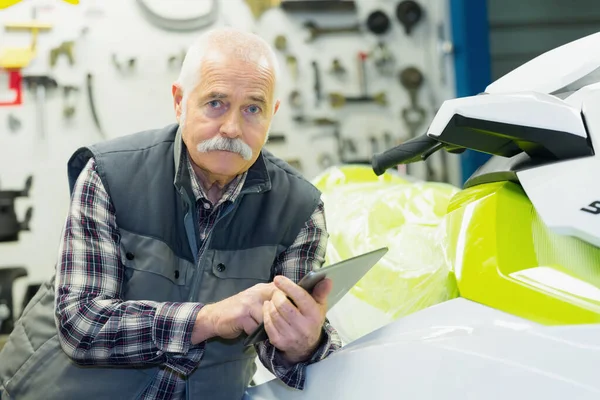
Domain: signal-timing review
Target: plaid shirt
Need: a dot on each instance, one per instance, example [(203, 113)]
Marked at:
[(96, 327)]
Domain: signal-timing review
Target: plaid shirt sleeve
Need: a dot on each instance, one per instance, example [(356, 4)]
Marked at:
[(95, 326), (305, 254)]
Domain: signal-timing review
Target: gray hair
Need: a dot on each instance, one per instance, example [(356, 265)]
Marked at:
[(244, 45)]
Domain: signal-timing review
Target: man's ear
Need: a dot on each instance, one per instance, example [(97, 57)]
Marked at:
[(277, 104), (177, 100)]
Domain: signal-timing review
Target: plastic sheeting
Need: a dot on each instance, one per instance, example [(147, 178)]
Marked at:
[(365, 212)]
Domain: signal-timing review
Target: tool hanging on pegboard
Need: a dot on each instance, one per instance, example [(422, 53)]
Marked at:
[(40, 86), (208, 16), (378, 22), (414, 115), (338, 100), (11, 89), (409, 13), (21, 57), (92, 104)]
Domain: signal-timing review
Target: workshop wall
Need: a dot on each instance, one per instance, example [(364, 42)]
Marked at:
[(132, 65)]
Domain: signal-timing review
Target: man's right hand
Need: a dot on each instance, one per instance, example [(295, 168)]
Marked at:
[(230, 317)]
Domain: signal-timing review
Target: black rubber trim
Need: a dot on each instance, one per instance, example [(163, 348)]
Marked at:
[(508, 140)]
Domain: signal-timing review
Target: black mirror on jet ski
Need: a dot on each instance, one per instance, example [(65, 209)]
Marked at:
[(504, 124), (413, 150)]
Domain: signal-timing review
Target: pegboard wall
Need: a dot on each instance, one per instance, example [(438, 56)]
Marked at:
[(132, 64)]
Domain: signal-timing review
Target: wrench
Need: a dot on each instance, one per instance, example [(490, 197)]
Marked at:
[(40, 85), (413, 115), (317, 83), (292, 64), (316, 31), (337, 100), (362, 73)]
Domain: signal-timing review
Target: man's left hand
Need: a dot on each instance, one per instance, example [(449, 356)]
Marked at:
[(296, 330)]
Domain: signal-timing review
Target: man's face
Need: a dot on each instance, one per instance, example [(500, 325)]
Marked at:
[(226, 119)]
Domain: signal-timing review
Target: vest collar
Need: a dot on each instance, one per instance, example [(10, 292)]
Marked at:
[(257, 180)]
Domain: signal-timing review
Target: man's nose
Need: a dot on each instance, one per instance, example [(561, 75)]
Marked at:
[(232, 126)]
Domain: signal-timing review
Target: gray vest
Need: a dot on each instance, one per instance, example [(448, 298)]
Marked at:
[(155, 210)]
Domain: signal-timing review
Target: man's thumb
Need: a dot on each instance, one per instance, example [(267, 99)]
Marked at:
[(322, 290)]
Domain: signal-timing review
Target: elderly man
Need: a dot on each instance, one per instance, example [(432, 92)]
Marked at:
[(178, 241)]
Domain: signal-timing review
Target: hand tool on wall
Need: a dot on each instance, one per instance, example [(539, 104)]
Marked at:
[(280, 43), (195, 22), (374, 144), (325, 160), (388, 140), (294, 163), (409, 13), (295, 99), (445, 50), (128, 65), (338, 100), (10, 226), (411, 78), (14, 85), (9, 3), (90, 93), (318, 121), (176, 60), (316, 31), (348, 146), (7, 278), (321, 6), (68, 100), (362, 73), (383, 59), (64, 49), (338, 69), (292, 64), (258, 7), (276, 138), (14, 123), (378, 22), (317, 83), (20, 57), (336, 134), (40, 85)]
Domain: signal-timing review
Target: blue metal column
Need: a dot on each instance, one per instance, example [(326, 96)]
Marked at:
[(470, 38)]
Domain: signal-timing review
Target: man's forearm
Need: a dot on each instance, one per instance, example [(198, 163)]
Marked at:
[(112, 332)]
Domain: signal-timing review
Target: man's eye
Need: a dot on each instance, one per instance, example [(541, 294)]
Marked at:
[(253, 109), (214, 103)]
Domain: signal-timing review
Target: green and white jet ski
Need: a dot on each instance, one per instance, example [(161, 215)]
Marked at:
[(523, 237)]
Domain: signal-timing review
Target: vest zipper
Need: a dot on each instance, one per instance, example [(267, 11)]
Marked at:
[(193, 297)]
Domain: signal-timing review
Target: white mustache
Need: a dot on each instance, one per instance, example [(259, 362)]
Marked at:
[(222, 143)]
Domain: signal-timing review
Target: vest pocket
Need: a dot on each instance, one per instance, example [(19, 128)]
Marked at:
[(228, 272), (150, 263), (255, 263)]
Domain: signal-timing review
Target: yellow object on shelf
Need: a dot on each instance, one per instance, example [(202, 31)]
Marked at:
[(30, 25), (8, 3), (16, 58), (20, 57)]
